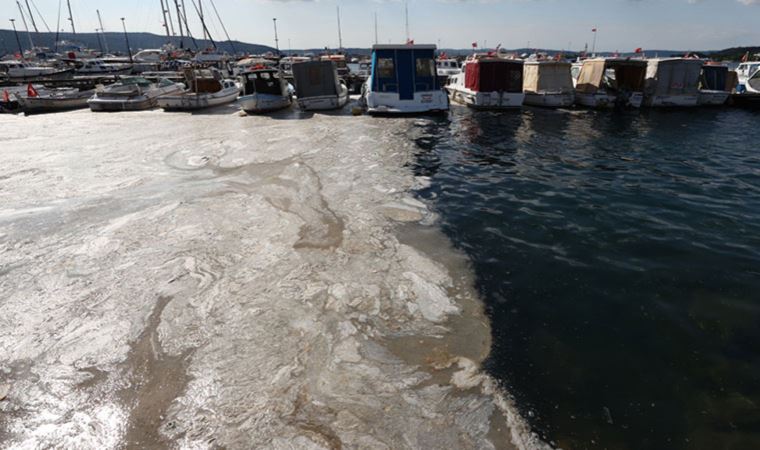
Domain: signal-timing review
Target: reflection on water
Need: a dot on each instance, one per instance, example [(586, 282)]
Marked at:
[(619, 256)]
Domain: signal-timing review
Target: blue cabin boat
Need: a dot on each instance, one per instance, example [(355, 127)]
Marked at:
[(403, 80)]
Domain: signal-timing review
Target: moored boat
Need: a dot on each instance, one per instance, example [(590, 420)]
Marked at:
[(100, 67), (611, 83), (318, 86), (488, 81), (132, 94), (264, 90), (205, 88), (548, 83), (715, 84), (672, 82), (750, 96), (403, 80), (23, 72), (744, 71), (55, 100)]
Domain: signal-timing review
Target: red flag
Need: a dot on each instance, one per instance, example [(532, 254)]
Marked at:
[(474, 45), (593, 30), (410, 42), (6, 96), (745, 58), (31, 91), (639, 50)]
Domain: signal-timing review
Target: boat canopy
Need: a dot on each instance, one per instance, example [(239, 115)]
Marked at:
[(494, 75), (316, 79), (262, 82), (203, 80), (614, 74), (676, 76), (547, 76), (715, 78), (404, 69)]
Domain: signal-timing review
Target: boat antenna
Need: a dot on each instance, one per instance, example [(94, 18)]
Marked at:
[(71, 17), (276, 40), (102, 30), (163, 14), (126, 38), (23, 19), (179, 22), (203, 22), (340, 36), (58, 26), (406, 16), (31, 17), (18, 41), (376, 28), (219, 18)]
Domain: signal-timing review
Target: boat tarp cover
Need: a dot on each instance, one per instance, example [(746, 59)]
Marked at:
[(547, 77), (316, 79), (673, 76), (404, 71), (591, 77), (628, 76), (714, 78), (494, 76)]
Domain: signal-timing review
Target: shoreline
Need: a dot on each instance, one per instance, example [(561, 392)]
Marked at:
[(227, 281)]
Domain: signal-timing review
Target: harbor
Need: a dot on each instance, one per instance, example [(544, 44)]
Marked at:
[(211, 244)]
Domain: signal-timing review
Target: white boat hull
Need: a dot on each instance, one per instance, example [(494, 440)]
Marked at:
[(39, 105), (323, 103), (550, 99), (147, 100), (423, 102), (486, 100), (604, 100), (679, 101), (189, 101), (263, 103), (713, 98)]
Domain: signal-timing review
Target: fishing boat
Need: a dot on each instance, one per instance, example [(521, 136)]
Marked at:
[(548, 83), (744, 71), (715, 84), (264, 90), (23, 72), (100, 67), (205, 88), (286, 64), (55, 100), (132, 94), (403, 80), (318, 86), (488, 81), (672, 82), (750, 96), (611, 83), (447, 67)]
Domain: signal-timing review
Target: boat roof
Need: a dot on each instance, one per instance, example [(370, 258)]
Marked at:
[(547, 62), (403, 47), (633, 62)]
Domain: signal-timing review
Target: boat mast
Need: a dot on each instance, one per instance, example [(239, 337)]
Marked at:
[(179, 22), (31, 16), (203, 23), (163, 13), (18, 41), (102, 30), (376, 42), (71, 17), (199, 9), (23, 19), (406, 23), (170, 21), (219, 18), (187, 27), (126, 38), (276, 40), (58, 26), (340, 35)]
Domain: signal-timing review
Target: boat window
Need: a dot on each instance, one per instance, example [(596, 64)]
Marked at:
[(425, 67), (386, 68)]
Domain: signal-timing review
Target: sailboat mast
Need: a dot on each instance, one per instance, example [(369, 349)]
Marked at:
[(219, 18), (31, 17), (406, 18), (23, 19), (200, 14), (179, 22), (203, 23), (163, 14), (102, 30), (376, 42), (340, 35), (58, 26), (71, 17)]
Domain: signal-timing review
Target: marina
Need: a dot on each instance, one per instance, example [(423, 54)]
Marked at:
[(212, 244)]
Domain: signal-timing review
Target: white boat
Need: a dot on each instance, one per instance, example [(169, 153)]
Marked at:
[(403, 80), (750, 96), (55, 100), (715, 85), (100, 67), (447, 67), (318, 86), (548, 83), (205, 88), (744, 72), (611, 83), (22, 72), (488, 81), (672, 82), (264, 90), (132, 94)]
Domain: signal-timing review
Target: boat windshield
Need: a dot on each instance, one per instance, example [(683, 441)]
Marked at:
[(135, 81), (265, 82)]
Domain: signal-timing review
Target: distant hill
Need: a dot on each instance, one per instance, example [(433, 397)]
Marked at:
[(735, 54), (116, 42)]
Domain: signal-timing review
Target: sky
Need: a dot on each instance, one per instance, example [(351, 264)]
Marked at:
[(623, 25)]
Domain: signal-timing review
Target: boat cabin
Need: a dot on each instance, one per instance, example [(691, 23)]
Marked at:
[(716, 77), (316, 79), (673, 76), (614, 75), (493, 74), (207, 81), (262, 81), (340, 63), (547, 76)]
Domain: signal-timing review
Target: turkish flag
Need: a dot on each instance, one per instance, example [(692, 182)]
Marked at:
[(6, 96), (593, 30), (474, 45), (31, 91), (639, 50)]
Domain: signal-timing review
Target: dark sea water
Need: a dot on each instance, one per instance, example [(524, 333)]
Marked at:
[(619, 258)]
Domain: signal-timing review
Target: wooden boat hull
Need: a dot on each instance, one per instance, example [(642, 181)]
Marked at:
[(264, 103), (550, 99), (192, 102)]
